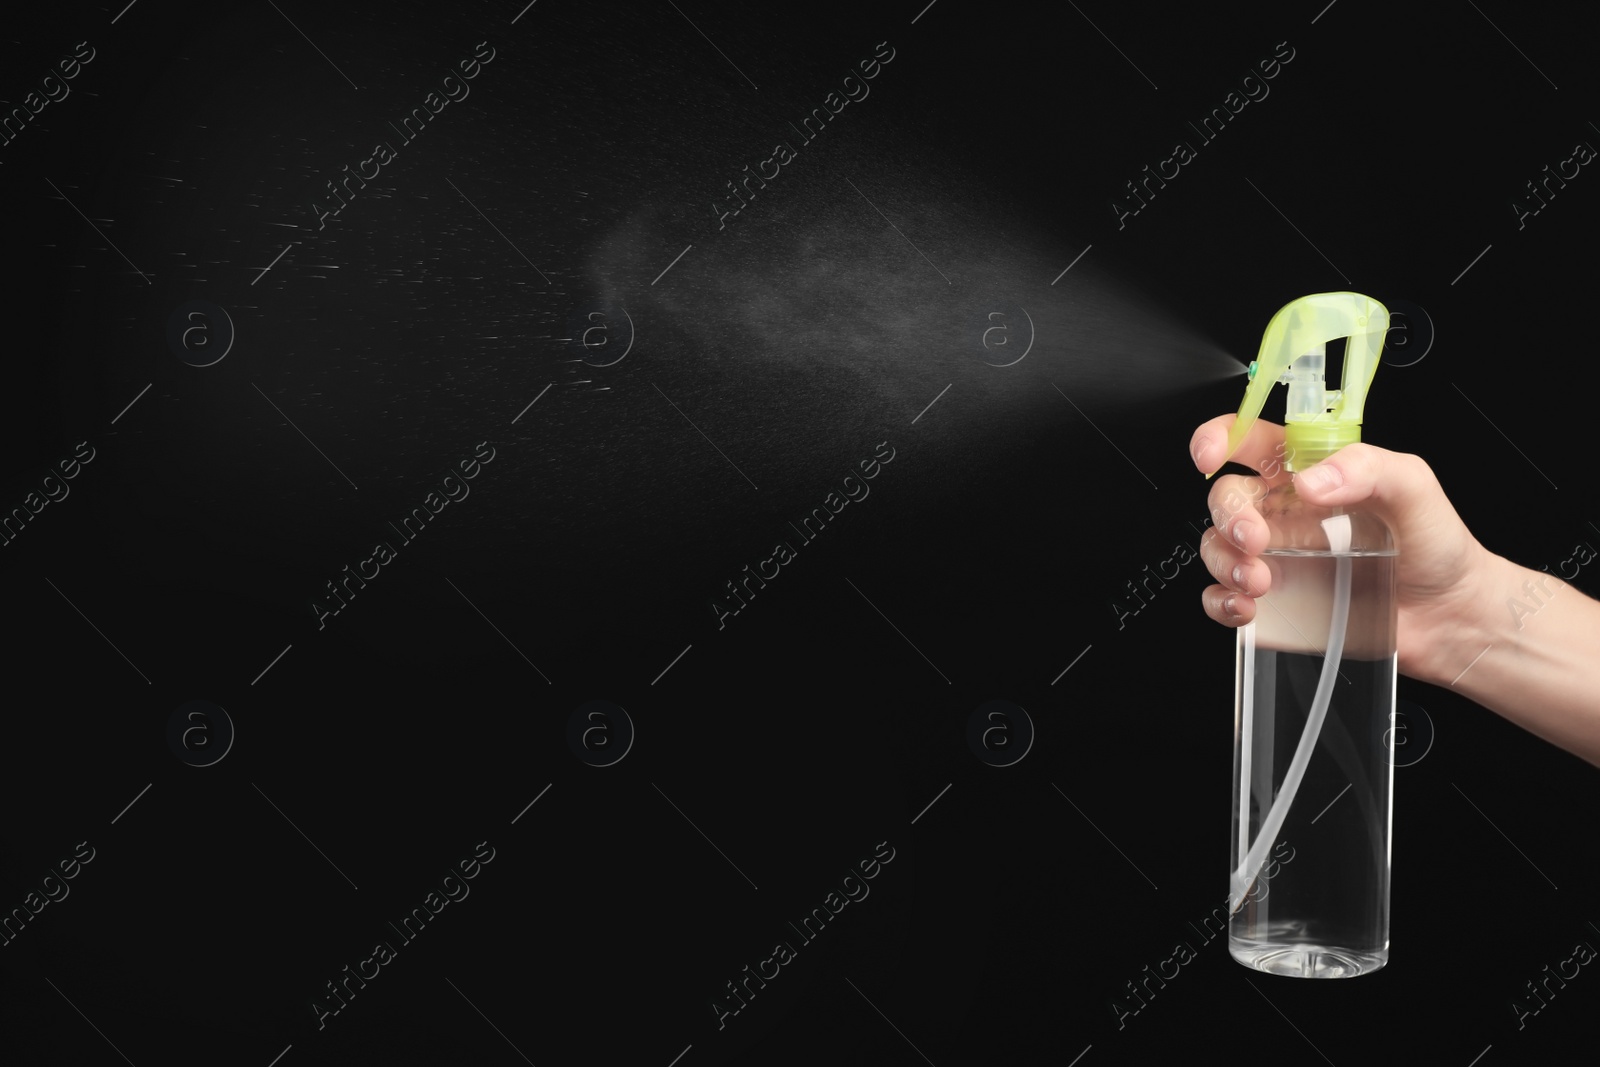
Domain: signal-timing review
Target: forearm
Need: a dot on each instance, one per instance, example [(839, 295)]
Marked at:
[(1531, 653)]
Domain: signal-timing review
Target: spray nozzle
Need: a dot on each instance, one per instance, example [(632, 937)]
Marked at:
[(1317, 421)]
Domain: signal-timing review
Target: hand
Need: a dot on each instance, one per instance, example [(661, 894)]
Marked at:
[(1442, 572)]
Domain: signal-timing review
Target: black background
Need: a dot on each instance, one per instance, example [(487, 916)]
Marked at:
[(844, 307)]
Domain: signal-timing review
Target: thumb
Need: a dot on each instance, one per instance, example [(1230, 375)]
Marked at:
[(1399, 486)]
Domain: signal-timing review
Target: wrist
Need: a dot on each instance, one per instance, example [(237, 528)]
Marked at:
[(1529, 655), (1508, 595), (1480, 615)]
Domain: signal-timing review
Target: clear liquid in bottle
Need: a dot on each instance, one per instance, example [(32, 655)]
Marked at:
[(1321, 908)]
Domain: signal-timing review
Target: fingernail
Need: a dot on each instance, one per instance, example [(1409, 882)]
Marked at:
[(1240, 531), (1199, 447), (1238, 576), (1230, 605), (1320, 477)]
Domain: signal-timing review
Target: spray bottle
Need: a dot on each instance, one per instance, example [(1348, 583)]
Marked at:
[(1313, 766)]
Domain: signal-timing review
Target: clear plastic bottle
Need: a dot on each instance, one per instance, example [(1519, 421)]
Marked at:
[(1323, 912), (1312, 765)]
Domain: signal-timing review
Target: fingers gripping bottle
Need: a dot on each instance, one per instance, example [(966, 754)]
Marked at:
[(1313, 767)]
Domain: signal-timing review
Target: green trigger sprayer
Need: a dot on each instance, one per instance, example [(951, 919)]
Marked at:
[(1316, 675), (1317, 422)]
